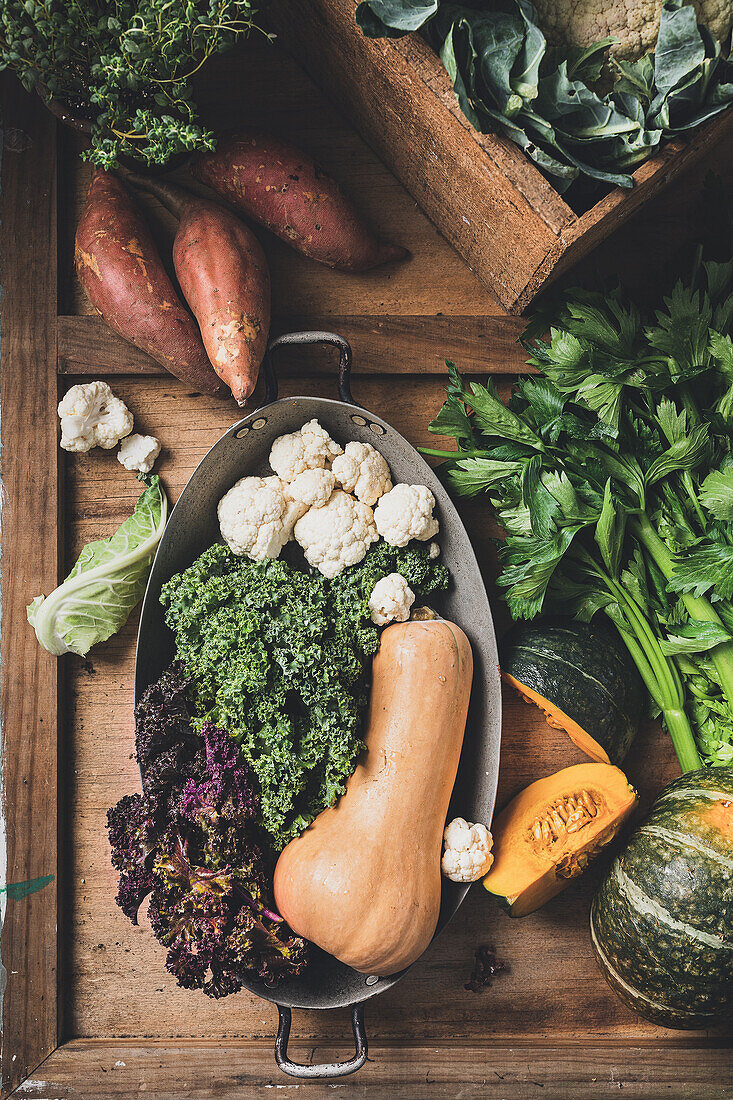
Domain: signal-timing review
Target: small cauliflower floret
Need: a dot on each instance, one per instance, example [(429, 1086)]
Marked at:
[(256, 517), (312, 488), (434, 551), (405, 513), (337, 535), (139, 452), (361, 470), (391, 600), (467, 855), (91, 416), (310, 448)]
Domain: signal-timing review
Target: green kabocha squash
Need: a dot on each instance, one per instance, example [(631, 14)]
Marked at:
[(584, 680), (662, 920)]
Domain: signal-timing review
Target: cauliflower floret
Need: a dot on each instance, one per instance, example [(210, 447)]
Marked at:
[(139, 452), (337, 535), (312, 488), (361, 470), (91, 416), (405, 513), (257, 518), (307, 449), (467, 854), (391, 600), (433, 551)]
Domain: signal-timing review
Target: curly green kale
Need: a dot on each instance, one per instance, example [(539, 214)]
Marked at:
[(280, 658)]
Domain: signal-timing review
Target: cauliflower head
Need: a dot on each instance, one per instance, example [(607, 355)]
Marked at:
[(404, 513), (361, 470), (391, 600), (256, 517), (310, 448), (336, 535), (312, 488), (467, 854), (635, 25), (91, 416), (139, 452)]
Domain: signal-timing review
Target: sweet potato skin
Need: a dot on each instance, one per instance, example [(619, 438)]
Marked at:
[(121, 271), (282, 188), (225, 280)]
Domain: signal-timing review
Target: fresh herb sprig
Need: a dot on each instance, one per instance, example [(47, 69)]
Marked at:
[(612, 475), (123, 66)]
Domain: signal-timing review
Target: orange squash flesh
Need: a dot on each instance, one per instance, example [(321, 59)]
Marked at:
[(363, 881), (557, 719), (551, 831)]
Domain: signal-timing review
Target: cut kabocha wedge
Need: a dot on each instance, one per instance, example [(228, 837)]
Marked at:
[(584, 680), (552, 830)]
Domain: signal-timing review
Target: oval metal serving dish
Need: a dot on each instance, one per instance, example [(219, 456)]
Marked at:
[(193, 527)]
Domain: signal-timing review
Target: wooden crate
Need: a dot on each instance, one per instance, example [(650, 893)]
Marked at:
[(89, 1012), (483, 193)]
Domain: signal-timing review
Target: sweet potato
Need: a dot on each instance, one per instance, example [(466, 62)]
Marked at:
[(123, 276), (225, 280), (281, 187)]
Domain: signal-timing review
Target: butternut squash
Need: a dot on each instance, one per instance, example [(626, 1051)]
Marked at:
[(363, 881)]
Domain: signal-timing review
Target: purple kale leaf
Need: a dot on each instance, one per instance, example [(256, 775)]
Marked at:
[(225, 788), (163, 716), (133, 836), (188, 841), (214, 920)]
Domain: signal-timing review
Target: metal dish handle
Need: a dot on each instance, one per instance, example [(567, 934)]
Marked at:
[(325, 1069), (304, 339)]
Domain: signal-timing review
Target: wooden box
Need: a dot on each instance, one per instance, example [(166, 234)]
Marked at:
[(481, 191)]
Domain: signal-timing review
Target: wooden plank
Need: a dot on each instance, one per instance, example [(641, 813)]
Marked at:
[(392, 345), (30, 531), (460, 184), (115, 1070), (117, 981)]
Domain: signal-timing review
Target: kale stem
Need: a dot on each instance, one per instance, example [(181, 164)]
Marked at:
[(698, 607)]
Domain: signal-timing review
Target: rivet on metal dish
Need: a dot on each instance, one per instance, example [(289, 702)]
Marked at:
[(359, 420), (372, 979), (377, 429), (242, 432), (259, 423)]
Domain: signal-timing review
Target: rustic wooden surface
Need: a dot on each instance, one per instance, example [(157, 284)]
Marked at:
[(507, 221), (549, 1014), (29, 505), (404, 1071)]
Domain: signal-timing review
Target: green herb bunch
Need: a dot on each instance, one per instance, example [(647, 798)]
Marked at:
[(123, 66), (553, 102), (612, 475)]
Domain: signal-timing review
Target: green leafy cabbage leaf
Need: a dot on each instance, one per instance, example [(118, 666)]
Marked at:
[(107, 582)]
